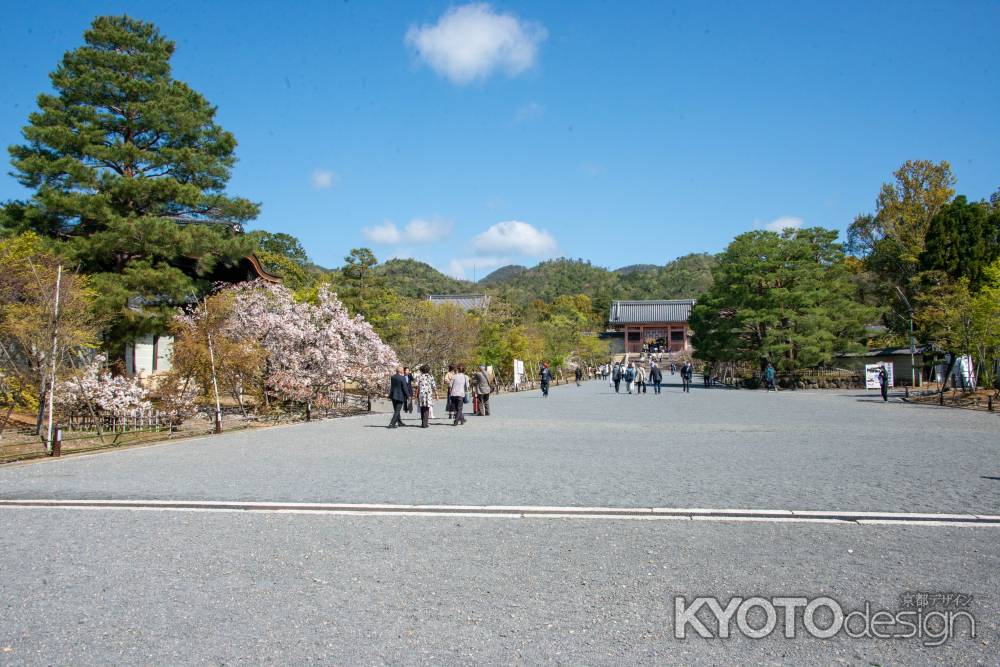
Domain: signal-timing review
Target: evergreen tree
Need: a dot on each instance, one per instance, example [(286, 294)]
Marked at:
[(784, 297), (962, 240), (129, 166)]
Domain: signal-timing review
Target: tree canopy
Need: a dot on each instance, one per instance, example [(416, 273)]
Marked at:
[(785, 297), (129, 166)]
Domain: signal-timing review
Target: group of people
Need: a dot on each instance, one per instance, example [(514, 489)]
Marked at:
[(636, 377), (404, 388)]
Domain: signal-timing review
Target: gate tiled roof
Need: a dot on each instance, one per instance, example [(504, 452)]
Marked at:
[(649, 312)]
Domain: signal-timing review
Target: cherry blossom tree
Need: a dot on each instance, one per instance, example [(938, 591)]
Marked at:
[(97, 388)]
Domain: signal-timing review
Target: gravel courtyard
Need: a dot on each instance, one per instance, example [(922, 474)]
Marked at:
[(194, 586)]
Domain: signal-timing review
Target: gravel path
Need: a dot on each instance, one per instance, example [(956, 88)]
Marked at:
[(581, 446)]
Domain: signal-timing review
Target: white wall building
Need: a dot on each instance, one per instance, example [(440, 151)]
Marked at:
[(149, 355)]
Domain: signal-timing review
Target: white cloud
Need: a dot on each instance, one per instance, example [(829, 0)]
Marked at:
[(515, 236), (473, 41), (529, 111), (426, 231), (778, 224), (324, 179), (417, 230), (386, 233), (478, 266)]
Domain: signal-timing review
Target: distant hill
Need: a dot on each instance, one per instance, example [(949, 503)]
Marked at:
[(685, 277), (636, 268), (417, 280), (503, 274)]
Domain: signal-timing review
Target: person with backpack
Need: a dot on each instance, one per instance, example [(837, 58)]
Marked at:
[(579, 375), (545, 376), (629, 378), (616, 377), (656, 377)]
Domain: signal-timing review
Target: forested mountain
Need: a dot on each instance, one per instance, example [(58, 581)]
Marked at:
[(635, 268), (683, 278), (503, 274), (417, 280)]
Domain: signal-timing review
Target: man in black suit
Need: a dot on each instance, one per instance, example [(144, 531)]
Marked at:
[(398, 393)]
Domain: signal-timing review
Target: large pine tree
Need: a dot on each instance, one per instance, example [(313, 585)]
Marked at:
[(129, 168), (782, 297)]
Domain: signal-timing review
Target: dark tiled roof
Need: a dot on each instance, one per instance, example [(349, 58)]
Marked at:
[(643, 312), (463, 301), (885, 352)]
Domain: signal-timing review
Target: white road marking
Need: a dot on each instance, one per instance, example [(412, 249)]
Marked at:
[(518, 511)]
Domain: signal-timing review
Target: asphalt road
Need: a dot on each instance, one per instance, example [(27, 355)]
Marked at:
[(113, 586)]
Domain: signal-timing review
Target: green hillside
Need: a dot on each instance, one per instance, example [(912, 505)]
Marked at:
[(503, 274), (416, 280)]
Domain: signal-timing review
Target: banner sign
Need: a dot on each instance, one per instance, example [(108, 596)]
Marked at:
[(871, 375), (518, 372)]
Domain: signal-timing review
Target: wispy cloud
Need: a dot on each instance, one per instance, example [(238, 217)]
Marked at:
[(324, 179), (417, 230), (778, 224), (473, 41), (592, 169), (528, 112), (515, 236), (478, 266)]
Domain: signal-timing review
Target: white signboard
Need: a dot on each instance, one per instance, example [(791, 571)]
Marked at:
[(518, 372), (871, 375)]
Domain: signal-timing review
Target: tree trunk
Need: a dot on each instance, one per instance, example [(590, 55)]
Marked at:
[(947, 373), (42, 400)]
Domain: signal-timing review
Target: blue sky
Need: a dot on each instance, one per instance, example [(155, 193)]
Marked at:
[(620, 132)]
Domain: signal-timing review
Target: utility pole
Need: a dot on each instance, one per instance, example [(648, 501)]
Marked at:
[(913, 349), (211, 357), (55, 349)]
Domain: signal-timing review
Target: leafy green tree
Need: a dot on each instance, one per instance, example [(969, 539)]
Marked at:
[(364, 291), (129, 164), (986, 324), (281, 244), (784, 297), (962, 240)]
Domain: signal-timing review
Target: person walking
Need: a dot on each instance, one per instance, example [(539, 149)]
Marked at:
[(447, 387), (616, 377), (425, 394), (579, 375), (769, 378), (408, 377), (545, 376), (458, 391), (398, 394), (656, 377), (629, 377), (687, 372), (640, 380), (481, 382), (883, 382)]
